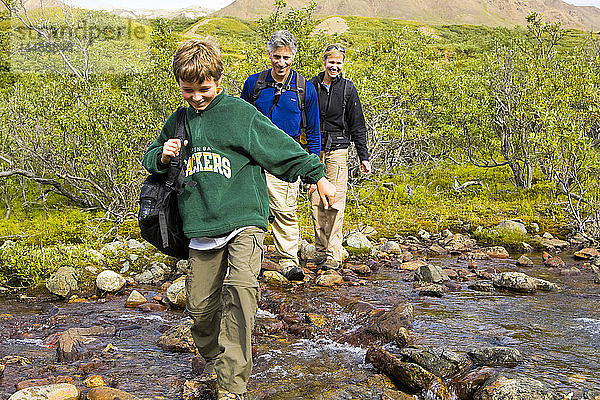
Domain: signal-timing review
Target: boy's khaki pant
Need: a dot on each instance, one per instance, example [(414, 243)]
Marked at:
[(283, 204), (329, 223), (222, 299)]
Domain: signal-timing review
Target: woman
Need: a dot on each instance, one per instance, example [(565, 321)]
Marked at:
[(342, 122)]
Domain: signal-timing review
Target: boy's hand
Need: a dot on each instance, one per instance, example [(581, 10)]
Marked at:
[(326, 191), (170, 149)]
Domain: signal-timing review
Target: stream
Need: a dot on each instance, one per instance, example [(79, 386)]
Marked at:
[(557, 333)]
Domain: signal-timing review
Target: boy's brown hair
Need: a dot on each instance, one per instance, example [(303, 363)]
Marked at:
[(196, 61)]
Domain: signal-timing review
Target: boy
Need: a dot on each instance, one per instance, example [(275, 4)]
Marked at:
[(224, 207)]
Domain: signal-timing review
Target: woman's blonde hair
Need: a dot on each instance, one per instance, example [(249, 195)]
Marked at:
[(333, 49), (196, 61)]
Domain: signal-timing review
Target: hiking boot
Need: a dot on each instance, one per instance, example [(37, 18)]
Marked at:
[(225, 395), (293, 272), (330, 264), (209, 374)]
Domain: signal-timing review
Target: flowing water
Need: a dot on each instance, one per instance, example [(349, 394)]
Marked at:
[(558, 334)]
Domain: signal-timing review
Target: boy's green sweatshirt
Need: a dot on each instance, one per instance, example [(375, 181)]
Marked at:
[(230, 143)]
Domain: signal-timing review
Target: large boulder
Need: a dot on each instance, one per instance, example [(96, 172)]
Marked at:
[(110, 281), (358, 240), (391, 247), (466, 384), (57, 391), (511, 226), (440, 361), (108, 393), (515, 282), (176, 294), (496, 356), (63, 282), (503, 388), (430, 273), (392, 325), (497, 252)]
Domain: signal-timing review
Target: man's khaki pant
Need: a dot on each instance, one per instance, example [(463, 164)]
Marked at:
[(222, 299), (329, 223), (283, 204)]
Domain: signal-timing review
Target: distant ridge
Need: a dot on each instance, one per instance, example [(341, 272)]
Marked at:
[(188, 12), (474, 12)]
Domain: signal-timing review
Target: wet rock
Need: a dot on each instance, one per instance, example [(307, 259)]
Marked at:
[(57, 391), (361, 269), (391, 247), (440, 361), (512, 226), (545, 286), (329, 278), (392, 325), (587, 253), (360, 307), (437, 249), (498, 356), (274, 278), (108, 393), (79, 343), (409, 376), (555, 262), (88, 367), (390, 394), (156, 271), (412, 265), (450, 273), (135, 299), (178, 339), (198, 365), (199, 390), (549, 243), (497, 252), (466, 384), (524, 261), (503, 388), (307, 250), (176, 294), (270, 326), (182, 267), (459, 243), (268, 265), (2, 367), (151, 307), (63, 282), (431, 290), (94, 381), (318, 320), (430, 273), (110, 281), (476, 255), (515, 281), (358, 240), (43, 382)]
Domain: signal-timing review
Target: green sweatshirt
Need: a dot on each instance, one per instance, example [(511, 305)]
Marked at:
[(230, 144)]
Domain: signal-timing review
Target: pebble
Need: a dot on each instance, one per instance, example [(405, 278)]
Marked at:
[(135, 299)]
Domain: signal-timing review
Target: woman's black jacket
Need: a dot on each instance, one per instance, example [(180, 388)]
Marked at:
[(341, 124)]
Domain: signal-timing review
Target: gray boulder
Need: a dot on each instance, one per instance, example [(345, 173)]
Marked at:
[(497, 356), (110, 281), (515, 281), (391, 247), (503, 388), (392, 325), (524, 261), (156, 271), (482, 286), (176, 294), (511, 226), (358, 240), (307, 250), (438, 360), (430, 273), (63, 282), (58, 391)]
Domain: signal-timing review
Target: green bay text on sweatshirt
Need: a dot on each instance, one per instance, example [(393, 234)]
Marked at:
[(229, 145)]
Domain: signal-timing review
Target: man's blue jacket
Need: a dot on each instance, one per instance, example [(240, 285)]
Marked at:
[(286, 113)]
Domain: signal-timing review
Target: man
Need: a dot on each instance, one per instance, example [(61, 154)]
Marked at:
[(278, 94)]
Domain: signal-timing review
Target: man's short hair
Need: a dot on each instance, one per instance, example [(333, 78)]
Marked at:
[(197, 61), (282, 39)]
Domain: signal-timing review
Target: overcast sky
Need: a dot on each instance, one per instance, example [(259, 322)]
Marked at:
[(212, 4)]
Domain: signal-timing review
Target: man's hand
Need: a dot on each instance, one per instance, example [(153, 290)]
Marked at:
[(170, 149), (326, 192), (365, 167)]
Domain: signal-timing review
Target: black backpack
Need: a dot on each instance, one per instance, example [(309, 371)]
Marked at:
[(261, 83), (159, 219)]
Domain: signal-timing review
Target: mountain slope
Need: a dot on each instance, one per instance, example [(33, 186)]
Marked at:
[(476, 12)]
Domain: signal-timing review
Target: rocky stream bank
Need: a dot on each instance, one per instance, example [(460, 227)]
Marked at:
[(429, 317)]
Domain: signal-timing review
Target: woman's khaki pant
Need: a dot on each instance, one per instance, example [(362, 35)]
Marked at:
[(222, 299), (329, 223)]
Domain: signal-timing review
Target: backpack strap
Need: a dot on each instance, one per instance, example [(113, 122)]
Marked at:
[(346, 94), (301, 93), (261, 83), (176, 172)]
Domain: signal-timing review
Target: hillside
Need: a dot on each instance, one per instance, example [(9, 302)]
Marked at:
[(474, 12)]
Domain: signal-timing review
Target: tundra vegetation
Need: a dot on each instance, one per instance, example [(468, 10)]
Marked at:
[(468, 125)]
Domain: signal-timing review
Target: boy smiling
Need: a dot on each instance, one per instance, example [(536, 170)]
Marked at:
[(224, 207)]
